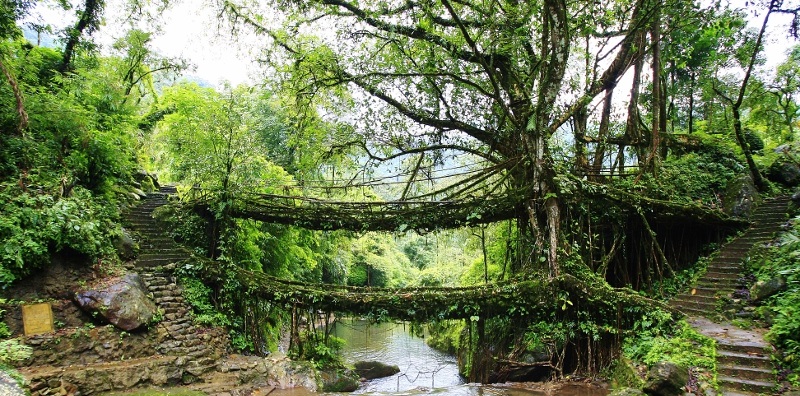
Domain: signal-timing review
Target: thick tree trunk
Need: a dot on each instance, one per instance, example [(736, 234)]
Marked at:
[(737, 121), (655, 133), (632, 122), (23, 115), (579, 122), (691, 102), (605, 121), (543, 206), (86, 23)]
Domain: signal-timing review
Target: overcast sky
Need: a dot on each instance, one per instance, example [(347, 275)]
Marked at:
[(190, 29)]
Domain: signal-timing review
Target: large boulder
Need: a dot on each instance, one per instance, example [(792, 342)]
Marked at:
[(666, 379), (147, 181), (764, 289), (123, 302), (784, 171), (741, 196), (371, 370)]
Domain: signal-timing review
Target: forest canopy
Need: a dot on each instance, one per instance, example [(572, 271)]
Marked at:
[(397, 143)]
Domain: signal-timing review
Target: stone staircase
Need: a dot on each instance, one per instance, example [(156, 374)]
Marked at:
[(158, 253), (743, 362), (174, 352), (156, 249)]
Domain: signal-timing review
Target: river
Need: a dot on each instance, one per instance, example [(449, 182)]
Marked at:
[(424, 370)]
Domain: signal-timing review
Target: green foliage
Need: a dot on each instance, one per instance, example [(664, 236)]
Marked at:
[(186, 227), (34, 225), (376, 260), (321, 350), (199, 297), (696, 177), (446, 335), (12, 351), (623, 375), (4, 330), (254, 324), (659, 339), (680, 280), (783, 260)]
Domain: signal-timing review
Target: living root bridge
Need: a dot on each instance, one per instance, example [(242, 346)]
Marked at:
[(564, 297), (319, 214)]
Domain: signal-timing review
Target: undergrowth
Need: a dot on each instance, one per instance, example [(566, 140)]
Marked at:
[(657, 338), (782, 310)]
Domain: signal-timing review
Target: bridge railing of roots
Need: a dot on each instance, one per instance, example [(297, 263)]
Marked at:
[(470, 197), (423, 216), (587, 301), (563, 297)]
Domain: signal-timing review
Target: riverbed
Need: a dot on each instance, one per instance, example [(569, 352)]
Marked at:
[(424, 370)]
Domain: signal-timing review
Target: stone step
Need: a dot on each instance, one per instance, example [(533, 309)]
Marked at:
[(142, 226), (695, 305), (749, 348), (731, 358), (724, 268), (747, 372), (148, 207), (155, 263), (723, 287), (755, 240), (718, 281), (766, 223), (734, 383), (704, 290), (693, 298), (160, 239), (728, 261), (720, 275), (734, 246), (726, 264), (175, 311), (163, 286), (773, 208), (156, 282), (759, 234), (162, 294), (158, 245), (691, 311), (176, 319), (100, 377), (166, 251), (174, 254), (139, 217)]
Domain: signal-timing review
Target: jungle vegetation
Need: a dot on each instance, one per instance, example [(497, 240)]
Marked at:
[(408, 144)]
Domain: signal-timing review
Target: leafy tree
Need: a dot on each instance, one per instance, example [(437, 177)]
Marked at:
[(138, 63), (784, 88), (208, 143), (89, 19), (484, 79)]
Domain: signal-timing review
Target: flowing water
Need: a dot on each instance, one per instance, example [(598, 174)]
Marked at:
[(424, 370)]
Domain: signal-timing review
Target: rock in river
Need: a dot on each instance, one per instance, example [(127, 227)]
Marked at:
[(372, 370)]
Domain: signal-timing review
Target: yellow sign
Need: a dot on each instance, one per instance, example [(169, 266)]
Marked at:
[(37, 318)]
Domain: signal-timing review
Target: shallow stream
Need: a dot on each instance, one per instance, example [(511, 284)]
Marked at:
[(424, 370)]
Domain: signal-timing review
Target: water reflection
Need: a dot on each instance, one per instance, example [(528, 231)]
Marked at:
[(421, 367), (424, 370)]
